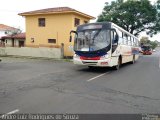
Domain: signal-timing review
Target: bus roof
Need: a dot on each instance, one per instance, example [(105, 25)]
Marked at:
[(103, 24)]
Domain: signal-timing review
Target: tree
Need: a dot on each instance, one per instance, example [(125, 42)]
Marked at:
[(153, 44), (135, 16), (156, 27), (146, 41)]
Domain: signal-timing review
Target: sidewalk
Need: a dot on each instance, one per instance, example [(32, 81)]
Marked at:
[(12, 59)]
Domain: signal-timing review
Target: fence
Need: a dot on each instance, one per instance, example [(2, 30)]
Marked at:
[(32, 52)]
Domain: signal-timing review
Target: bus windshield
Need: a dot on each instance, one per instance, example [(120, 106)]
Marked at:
[(92, 40)]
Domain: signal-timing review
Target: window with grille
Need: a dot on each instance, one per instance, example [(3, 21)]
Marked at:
[(41, 22), (76, 22), (51, 40)]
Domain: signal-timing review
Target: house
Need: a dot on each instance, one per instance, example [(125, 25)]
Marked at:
[(17, 40), (5, 30), (51, 27)]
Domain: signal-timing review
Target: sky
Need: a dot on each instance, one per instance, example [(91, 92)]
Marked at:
[(10, 8)]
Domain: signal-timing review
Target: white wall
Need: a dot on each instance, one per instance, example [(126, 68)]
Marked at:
[(8, 42), (2, 33), (32, 52)]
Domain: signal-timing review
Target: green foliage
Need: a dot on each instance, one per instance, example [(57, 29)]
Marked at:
[(144, 40), (153, 44), (135, 16)]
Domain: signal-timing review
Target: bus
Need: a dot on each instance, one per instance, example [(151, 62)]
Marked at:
[(104, 44), (146, 49)]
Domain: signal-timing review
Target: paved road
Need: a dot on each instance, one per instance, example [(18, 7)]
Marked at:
[(46, 86)]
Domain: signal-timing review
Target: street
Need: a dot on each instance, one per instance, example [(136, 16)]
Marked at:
[(52, 86)]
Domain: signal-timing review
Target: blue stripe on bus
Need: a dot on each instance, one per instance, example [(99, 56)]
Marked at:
[(135, 52), (99, 53)]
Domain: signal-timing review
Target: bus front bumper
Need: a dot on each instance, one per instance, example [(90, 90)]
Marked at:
[(100, 63)]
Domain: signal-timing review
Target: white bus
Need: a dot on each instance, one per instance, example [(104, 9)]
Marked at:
[(104, 44)]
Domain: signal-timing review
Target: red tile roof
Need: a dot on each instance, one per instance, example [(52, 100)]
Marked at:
[(55, 10), (6, 27), (58, 9), (17, 36)]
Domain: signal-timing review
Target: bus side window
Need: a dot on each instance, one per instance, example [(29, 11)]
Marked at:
[(114, 41), (120, 37), (129, 41), (120, 42), (113, 36), (137, 43), (134, 42), (125, 39)]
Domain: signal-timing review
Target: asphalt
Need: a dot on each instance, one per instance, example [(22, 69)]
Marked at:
[(48, 86)]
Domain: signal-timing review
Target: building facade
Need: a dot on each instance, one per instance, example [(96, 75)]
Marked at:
[(51, 27), (5, 30), (17, 40)]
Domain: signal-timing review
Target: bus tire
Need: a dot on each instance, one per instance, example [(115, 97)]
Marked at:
[(117, 67), (133, 60)]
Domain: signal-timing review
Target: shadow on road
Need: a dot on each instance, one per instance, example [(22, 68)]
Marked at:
[(96, 69), (102, 69)]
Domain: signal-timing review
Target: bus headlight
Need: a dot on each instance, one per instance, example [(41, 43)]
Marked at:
[(104, 57), (76, 56)]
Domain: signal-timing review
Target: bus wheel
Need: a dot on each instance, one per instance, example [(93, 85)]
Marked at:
[(133, 60), (118, 64)]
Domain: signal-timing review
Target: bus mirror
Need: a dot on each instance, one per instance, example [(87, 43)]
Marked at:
[(72, 31), (70, 38)]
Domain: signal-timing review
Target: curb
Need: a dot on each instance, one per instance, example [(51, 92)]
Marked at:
[(37, 58)]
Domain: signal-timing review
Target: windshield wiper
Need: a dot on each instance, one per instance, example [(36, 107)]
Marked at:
[(96, 35)]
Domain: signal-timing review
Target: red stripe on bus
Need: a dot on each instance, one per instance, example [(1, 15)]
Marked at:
[(89, 58)]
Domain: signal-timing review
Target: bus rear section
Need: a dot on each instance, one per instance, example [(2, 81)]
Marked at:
[(146, 50)]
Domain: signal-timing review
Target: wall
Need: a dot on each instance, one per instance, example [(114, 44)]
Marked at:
[(82, 19), (32, 52), (57, 27), (2, 33), (8, 42)]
